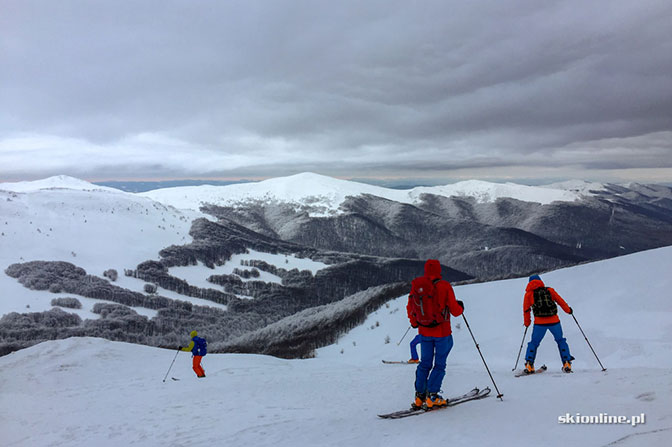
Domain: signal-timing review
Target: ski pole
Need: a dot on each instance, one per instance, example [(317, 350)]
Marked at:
[(171, 365), (402, 338), (591, 347), (499, 395), (521, 349)]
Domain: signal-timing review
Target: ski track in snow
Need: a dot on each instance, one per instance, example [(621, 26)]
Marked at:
[(87, 391)]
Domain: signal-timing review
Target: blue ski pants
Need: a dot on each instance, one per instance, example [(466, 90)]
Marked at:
[(414, 347), (432, 367), (538, 333)]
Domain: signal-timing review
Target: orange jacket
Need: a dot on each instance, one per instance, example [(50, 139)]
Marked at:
[(528, 301), (446, 297)]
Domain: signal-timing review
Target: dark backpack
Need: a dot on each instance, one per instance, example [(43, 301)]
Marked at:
[(424, 304), (200, 346), (544, 306)]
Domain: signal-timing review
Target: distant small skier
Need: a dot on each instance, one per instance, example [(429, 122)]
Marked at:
[(198, 347), (414, 349), (430, 304), (541, 301)]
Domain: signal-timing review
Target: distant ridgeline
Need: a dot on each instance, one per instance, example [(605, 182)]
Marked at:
[(149, 186), (487, 240)]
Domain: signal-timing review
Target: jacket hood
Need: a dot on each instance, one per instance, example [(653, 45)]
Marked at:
[(534, 284), (433, 269)]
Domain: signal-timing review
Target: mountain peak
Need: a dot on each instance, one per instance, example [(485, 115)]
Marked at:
[(54, 182), (321, 195)]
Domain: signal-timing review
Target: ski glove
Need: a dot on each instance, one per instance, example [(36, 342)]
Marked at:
[(461, 304), (179, 348), (571, 311)]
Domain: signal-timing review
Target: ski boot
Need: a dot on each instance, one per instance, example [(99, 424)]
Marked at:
[(435, 401), (419, 401), (567, 367), (414, 361), (529, 368)]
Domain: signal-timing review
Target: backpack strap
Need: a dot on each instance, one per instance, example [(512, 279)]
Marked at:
[(445, 312)]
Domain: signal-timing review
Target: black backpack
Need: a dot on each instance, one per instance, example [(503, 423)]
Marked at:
[(544, 306)]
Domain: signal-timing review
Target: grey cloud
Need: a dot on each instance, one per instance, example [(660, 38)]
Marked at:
[(376, 85)]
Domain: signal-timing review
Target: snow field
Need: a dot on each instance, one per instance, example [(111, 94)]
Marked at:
[(97, 228), (198, 275), (94, 392)]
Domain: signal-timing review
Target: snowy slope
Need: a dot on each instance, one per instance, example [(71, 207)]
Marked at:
[(55, 182), (87, 391), (322, 196), (62, 219), (198, 275), (96, 228), (578, 186)]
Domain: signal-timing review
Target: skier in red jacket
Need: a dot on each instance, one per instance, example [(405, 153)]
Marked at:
[(430, 304), (542, 301)]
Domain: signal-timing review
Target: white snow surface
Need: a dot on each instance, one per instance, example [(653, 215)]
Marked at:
[(320, 195), (96, 229), (578, 186), (55, 182), (86, 391), (66, 219), (198, 275)]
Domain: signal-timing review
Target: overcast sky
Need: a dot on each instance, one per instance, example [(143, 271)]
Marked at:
[(496, 89)]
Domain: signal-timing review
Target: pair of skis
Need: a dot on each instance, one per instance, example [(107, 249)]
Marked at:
[(539, 370), (395, 362), (471, 395)]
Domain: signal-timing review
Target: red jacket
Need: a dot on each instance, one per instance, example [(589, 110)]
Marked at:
[(528, 301), (446, 297)]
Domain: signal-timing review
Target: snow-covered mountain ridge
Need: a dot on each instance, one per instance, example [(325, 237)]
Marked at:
[(66, 219), (322, 195), (576, 220), (55, 182)]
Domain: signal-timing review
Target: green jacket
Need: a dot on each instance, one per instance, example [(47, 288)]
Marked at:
[(190, 347)]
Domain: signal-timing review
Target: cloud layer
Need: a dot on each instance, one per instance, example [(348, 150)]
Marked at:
[(194, 89)]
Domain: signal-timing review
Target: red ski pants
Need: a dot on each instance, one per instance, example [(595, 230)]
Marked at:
[(198, 369)]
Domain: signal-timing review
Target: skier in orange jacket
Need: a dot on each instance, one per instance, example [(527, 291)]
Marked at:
[(543, 302)]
